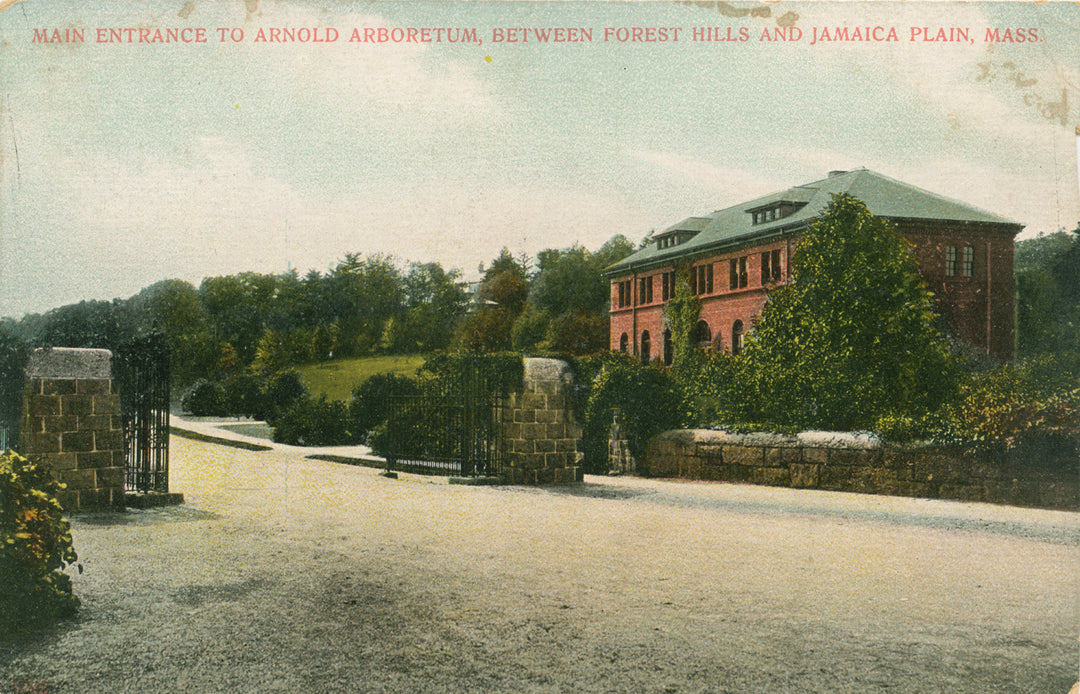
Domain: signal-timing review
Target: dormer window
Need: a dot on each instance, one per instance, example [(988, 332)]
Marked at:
[(774, 211), (674, 238)]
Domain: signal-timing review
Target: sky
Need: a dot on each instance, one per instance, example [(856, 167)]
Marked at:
[(122, 164)]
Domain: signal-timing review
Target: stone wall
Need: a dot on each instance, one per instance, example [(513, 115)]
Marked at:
[(71, 423), (540, 435), (861, 463)]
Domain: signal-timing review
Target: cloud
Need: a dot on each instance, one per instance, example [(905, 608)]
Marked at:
[(114, 226), (719, 182)]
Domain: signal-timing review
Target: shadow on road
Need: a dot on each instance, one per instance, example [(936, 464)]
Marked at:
[(1059, 528), (149, 516)]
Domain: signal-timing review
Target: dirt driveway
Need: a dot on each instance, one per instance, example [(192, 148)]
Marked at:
[(293, 575)]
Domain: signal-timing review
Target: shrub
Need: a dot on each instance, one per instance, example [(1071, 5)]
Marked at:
[(1043, 424), (648, 401), (370, 401), (425, 430), (1031, 404), (245, 395), (35, 546), (205, 399), (282, 390), (428, 427), (311, 422), (706, 380), (933, 427), (499, 371)]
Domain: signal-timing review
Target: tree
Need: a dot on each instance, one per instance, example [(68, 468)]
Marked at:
[(174, 308), (434, 301), (569, 293), (240, 308), (367, 292), (500, 300), (1048, 294), (850, 339)]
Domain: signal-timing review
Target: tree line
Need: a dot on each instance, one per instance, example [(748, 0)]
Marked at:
[(364, 305)]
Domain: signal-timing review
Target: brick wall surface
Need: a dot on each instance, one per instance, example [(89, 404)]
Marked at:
[(976, 309), (71, 424), (539, 432), (861, 464)]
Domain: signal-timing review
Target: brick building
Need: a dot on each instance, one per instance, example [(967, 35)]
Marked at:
[(733, 255)]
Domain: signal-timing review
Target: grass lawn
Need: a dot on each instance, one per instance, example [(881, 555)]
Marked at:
[(337, 379)]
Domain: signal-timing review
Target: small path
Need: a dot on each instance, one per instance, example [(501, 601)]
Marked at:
[(233, 429), (283, 573)]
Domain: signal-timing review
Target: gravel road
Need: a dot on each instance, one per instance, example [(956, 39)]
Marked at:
[(287, 574)]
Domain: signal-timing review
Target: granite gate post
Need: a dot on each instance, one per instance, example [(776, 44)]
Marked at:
[(540, 434), (71, 424)]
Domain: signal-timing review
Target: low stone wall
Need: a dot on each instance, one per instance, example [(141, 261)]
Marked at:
[(861, 463), (71, 423), (539, 432)]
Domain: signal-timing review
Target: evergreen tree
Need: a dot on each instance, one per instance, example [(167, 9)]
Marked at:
[(850, 339)]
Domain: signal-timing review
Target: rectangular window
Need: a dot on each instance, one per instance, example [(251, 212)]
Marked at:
[(737, 273), (770, 267), (950, 261), (665, 288), (704, 283), (645, 290), (968, 263)]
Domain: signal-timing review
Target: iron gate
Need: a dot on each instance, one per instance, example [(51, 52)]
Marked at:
[(141, 371), (451, 428)]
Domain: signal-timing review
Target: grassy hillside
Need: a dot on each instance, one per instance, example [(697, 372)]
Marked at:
[(337, 379)]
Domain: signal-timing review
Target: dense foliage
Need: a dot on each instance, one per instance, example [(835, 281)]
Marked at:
[(1048, 294), (252, 324), (205, 399), (851, 338), (568, 301), (314, 422), (369, 405), (1031, 405), (645, 396), (35, 546), (13, 352), (681, 314), (427, 426)]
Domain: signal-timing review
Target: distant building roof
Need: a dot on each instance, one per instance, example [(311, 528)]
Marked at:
[(883, 196)]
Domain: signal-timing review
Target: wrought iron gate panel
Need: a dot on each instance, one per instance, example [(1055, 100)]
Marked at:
[(142, 377), (451, 428)]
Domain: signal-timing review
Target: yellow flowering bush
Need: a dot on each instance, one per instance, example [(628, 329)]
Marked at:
[(35, 545)]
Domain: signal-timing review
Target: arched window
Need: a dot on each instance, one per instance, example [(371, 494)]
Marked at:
[(736, 337), (646, 347), (669, 349), (702, 334), (624, 343)]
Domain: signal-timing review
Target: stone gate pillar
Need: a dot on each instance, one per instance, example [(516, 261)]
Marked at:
[(539, 432), (71, 424)]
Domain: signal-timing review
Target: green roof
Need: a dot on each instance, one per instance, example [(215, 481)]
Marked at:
[(883, 196)]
